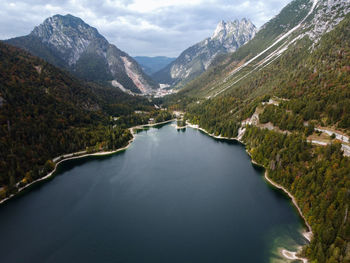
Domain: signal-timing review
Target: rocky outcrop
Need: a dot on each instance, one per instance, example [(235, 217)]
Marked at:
[(69, 42), (227, 37)]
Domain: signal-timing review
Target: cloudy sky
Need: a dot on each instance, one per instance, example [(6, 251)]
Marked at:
[(140, 27)]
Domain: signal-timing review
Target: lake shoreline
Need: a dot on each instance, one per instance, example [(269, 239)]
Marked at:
[(307, 235), (81, 154)]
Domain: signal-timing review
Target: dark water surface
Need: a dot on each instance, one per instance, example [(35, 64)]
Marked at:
[(173, 196)]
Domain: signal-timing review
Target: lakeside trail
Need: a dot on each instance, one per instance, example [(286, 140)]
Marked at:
[(290, 255), (82, 154)]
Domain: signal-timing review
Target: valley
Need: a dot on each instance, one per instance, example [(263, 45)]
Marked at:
[(68, 97)]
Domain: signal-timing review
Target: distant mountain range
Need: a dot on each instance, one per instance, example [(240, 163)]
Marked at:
[(151, 65), (70, 43), (192, 62)]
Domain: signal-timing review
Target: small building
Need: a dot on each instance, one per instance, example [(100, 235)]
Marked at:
[(151, 121)]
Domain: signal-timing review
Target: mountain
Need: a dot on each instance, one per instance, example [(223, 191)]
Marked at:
[(68, 42), (151, 65), (286, 96), (192, 62), (301, 20), (46, 112)]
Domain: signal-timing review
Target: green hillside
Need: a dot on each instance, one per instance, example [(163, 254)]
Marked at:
[(309, 86), (45, 112)]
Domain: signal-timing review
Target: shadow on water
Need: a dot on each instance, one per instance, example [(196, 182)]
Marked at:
[(287, 237), (62, 168), (279, 193), (159, 126), (70, 164), (73, 163), (147, 127), (223, 140), (261, 170), (182, 129)]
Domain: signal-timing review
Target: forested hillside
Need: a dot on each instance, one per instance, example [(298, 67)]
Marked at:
[(315, 86), (45, 112), (284, 106)]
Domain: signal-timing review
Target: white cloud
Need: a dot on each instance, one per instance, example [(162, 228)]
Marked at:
[(157, 5), (139, 27)]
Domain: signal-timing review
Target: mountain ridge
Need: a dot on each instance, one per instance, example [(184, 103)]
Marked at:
[(68, 42), (306, 19), (227, 37)]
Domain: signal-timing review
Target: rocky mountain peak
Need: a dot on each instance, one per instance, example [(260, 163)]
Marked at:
[(325, 16), (70, 35), (66, 24), (220, 29), (228, 37), (234, 32), (68, 42)]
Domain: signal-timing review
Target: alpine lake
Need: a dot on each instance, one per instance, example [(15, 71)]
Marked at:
[(173, 196)]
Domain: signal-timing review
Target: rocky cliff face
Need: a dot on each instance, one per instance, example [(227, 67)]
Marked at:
[(326, 15), (70, 36), (69, 42), (234, 34), (228, 37)]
